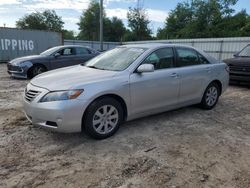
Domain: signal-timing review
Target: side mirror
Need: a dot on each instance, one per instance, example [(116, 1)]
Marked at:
[(145, 68), (57, 55), (236, 54)]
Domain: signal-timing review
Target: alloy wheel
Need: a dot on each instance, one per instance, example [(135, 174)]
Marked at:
[(105, 119), (211, 96), (38, 70)]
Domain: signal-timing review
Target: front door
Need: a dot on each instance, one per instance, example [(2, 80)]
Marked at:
[(155, 90), (67, 57)]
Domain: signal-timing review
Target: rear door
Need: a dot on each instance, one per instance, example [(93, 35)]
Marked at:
[(83, 54), (194, 72)]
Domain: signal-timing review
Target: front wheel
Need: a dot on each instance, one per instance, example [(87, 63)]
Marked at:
[(211, 96), (37, 69), (103, 118)]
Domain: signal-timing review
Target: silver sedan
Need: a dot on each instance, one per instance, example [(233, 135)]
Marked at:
[(122, 84)]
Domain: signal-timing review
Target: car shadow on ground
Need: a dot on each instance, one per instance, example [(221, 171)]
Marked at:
[(128, 127), (240, 84)]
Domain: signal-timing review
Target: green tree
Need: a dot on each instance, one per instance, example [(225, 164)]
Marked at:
[(177, 20), (89, 22), (236, 26), (129, 36), (199, 19), (68, 34), (246, 28), (46, 20), (113, 29), (161, 34), (138, 24)]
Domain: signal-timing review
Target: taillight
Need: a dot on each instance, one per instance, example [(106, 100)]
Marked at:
[(227, 69)]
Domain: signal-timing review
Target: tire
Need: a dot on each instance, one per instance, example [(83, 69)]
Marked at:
[(98, 124), (37, 69), (210, 96)]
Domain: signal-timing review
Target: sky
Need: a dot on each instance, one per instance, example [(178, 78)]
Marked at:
[(71, 10)]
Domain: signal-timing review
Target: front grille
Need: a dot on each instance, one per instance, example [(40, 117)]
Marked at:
[(51, 123), (239, 68), (31, 95)]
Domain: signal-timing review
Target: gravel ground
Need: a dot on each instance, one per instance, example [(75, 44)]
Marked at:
[(188, 147)]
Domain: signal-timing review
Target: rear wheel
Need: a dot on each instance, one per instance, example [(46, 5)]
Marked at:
[(103, 118), (37, 69), (211, 96)]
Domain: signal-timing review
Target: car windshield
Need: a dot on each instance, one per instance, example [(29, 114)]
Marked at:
[(50, 51), (245, 52), (117, 59)]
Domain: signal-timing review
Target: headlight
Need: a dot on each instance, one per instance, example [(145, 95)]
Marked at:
[(21, 63), (61, 95)]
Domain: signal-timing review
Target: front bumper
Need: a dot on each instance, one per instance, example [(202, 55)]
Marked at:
[(18, 71), (60, 116), (243, 77)]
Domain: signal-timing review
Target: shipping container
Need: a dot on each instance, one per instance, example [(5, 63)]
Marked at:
[(18, 42)]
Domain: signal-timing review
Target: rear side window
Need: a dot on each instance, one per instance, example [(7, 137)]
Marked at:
[(188, 57), (82, 51), (161, 59)]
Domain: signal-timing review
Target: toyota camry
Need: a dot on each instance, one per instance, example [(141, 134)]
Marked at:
[(122, 84)]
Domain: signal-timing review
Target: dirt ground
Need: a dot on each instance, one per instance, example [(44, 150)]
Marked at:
[(188, 147)]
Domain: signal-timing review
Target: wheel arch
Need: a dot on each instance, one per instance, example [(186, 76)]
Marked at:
[(218, 82), (111, 95)]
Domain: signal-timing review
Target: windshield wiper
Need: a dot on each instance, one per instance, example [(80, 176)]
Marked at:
[(94, 67), (243, 56)]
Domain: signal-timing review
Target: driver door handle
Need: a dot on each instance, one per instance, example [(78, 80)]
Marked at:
[(174, 75), (208, 69)]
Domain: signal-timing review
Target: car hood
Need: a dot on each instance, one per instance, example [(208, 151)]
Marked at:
[(240, 61), (26, 58), (74, 77)]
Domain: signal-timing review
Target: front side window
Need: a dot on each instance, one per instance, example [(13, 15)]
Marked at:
[(66, 51), (161, 59), (245, 52), (117, 59), (50, 51)]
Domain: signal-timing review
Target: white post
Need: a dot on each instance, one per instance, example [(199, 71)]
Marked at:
[(101, 25)]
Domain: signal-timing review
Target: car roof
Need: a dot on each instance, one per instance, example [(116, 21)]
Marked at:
[(155, 45), (139, 45), (152, 46), (71, 46)]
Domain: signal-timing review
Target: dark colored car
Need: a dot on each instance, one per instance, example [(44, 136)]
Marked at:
[(239, 66), (53, 58)]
